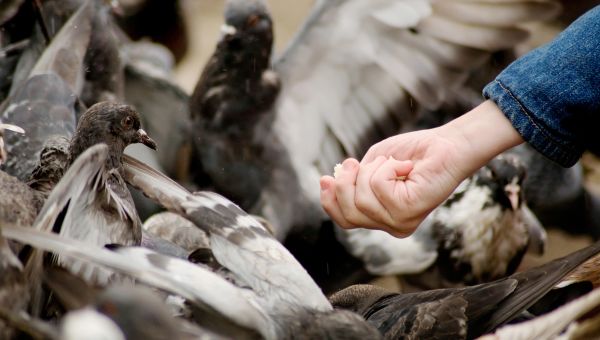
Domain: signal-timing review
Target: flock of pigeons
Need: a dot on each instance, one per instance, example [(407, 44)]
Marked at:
[(130, 210)]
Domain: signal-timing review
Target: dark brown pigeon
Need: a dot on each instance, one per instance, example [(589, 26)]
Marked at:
[(92, 202), (457, 313)]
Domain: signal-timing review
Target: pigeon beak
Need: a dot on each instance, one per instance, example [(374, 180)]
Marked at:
[(512, 191), (227, 30), (146, 140)]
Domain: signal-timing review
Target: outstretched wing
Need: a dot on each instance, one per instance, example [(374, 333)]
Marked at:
[(238, 241), (550, 325), (359, 69), (84, 173)]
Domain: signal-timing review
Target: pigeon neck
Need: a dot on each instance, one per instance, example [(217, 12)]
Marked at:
[(247, 64), (115, 148)]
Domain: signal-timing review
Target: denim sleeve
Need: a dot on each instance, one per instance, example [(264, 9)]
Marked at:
[(552, 94)]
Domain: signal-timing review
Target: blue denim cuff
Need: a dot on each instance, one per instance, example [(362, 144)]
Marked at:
[(530, 128)]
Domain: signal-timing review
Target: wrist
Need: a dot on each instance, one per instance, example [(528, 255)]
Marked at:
[(481, 134)]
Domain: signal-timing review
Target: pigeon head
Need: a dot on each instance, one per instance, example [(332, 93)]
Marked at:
[(247, 16), (358, 298), (116, 125), (505, 175), (248, 32), (3, 127)]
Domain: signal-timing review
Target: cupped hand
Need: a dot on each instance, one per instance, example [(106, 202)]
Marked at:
[(398, 182)]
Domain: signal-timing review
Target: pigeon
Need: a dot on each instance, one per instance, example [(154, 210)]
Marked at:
[(92, 192), (558, 195), (355, 72), (92, 202), (479, 234), (46, 104), (225, 114), (458, 313)]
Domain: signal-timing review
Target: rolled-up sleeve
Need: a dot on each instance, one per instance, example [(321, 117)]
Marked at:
[(552, 94)]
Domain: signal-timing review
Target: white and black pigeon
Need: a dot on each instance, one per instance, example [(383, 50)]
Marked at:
[(480, 233), (355, 72)]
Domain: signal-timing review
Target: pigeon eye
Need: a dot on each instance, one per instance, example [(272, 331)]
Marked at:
[(128, 122), (252, 20)]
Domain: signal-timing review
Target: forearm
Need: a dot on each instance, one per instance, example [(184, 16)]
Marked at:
[(552, 95), (484, 132)]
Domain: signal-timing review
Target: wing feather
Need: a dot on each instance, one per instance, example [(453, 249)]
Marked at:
[(180, 277), (238, 241)]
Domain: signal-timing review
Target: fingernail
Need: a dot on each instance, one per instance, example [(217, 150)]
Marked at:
[(324, 186), (348, 165)]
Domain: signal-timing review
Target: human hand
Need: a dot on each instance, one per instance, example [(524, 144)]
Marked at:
[(370, 194)]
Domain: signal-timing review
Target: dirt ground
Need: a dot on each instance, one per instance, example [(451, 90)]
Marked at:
[(204, 18)]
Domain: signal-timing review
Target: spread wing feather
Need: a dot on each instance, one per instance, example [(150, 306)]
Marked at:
[(238, 241)]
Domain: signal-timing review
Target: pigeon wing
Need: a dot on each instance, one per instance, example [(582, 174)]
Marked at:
[(200, 286), (239, 242)]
